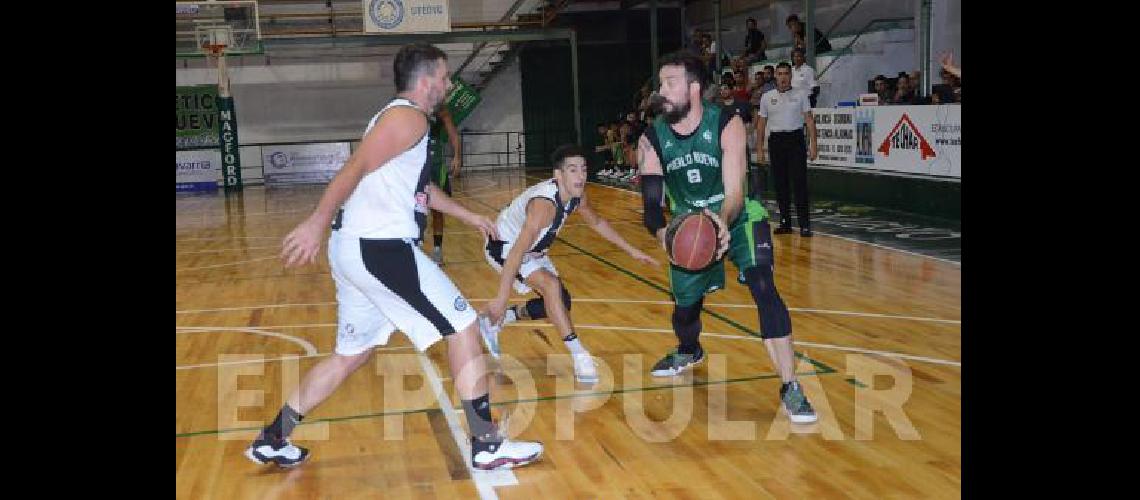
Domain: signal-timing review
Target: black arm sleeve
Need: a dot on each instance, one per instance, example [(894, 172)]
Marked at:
[(651, 194)]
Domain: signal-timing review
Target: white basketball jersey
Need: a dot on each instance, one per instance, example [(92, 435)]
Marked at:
[(512, 218), (389, 202)]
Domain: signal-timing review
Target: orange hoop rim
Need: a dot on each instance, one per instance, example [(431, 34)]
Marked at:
[(214, 49)]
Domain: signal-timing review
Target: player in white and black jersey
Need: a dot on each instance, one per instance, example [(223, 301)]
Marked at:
[(527, 228), (383, 280)]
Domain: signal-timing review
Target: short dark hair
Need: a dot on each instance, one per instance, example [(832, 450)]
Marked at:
[(791, 18), (695, 70), (412, 61), (784, 64), (750, 20), (561, 153), (799, 50), (904, 74), (769, 66)]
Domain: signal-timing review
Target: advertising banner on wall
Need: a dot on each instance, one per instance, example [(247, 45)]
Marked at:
[(406, 16), (918, 139), (303, 163), (835, 136), (196, 116), (198, 170)]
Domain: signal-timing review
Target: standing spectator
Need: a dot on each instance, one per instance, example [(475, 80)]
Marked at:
[(797, 28), (600, 160), (803, 76), (786, 112), (754, 43), (631, 137), (770, 74)]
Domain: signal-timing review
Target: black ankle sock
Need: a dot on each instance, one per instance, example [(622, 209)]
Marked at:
[(483, 432), (283, 425), (437, 239)]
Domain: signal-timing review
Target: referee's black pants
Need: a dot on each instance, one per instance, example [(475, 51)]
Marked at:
[(788, 152)]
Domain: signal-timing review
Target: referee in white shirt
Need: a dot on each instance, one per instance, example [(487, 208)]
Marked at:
[(787, 111), (803, 76)]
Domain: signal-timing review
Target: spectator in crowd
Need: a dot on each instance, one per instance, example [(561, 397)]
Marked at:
[(904, 93), (616, 145), (767, 82), (628, 143), (740, 86), (883, 89), (803, 76), (915, 80), (797, 28), (600, 159), (754, 43), (947, 61), (728, 99), (948, 66), (770, 74)]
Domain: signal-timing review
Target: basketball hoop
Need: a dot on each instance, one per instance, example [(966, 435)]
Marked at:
[(214, 49)]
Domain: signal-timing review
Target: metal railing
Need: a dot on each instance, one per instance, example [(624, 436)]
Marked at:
[(846, 50)]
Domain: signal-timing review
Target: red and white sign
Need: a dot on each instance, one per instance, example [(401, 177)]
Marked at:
[(918, 139)]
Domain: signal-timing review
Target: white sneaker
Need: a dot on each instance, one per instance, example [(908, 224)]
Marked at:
[(585, 368), (490, 331), (437, 256), (507, 455)]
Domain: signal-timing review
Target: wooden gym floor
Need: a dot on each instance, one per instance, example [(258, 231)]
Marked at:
[(878, 331)]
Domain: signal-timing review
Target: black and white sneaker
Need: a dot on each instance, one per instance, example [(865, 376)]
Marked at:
[(505, 454), (796, 404), (675, 363), (281, 452)]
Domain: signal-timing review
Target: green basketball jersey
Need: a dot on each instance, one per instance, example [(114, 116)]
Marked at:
[(692, 164)]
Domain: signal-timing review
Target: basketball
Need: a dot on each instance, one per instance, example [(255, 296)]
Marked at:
[(691, 241)]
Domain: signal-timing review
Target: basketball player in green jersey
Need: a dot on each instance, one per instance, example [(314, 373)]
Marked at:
[(694, 154), (440, 174)]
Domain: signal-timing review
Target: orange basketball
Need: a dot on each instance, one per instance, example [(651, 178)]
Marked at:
[(691, 241)]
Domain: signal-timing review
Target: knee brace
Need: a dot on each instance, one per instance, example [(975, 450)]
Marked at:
[(775, 321)]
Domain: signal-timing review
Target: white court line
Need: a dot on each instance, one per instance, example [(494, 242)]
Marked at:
[(245, 308), (221, 238), (227, 250), (309, 349), (485, 481), (753, 306), (616, 301), (758, 339), (282, 358), (228, 263), (531, 324), (959, 264)]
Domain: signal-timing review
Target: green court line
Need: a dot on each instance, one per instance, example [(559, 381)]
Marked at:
[(695, 383), (820, 366), (855, 382)]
